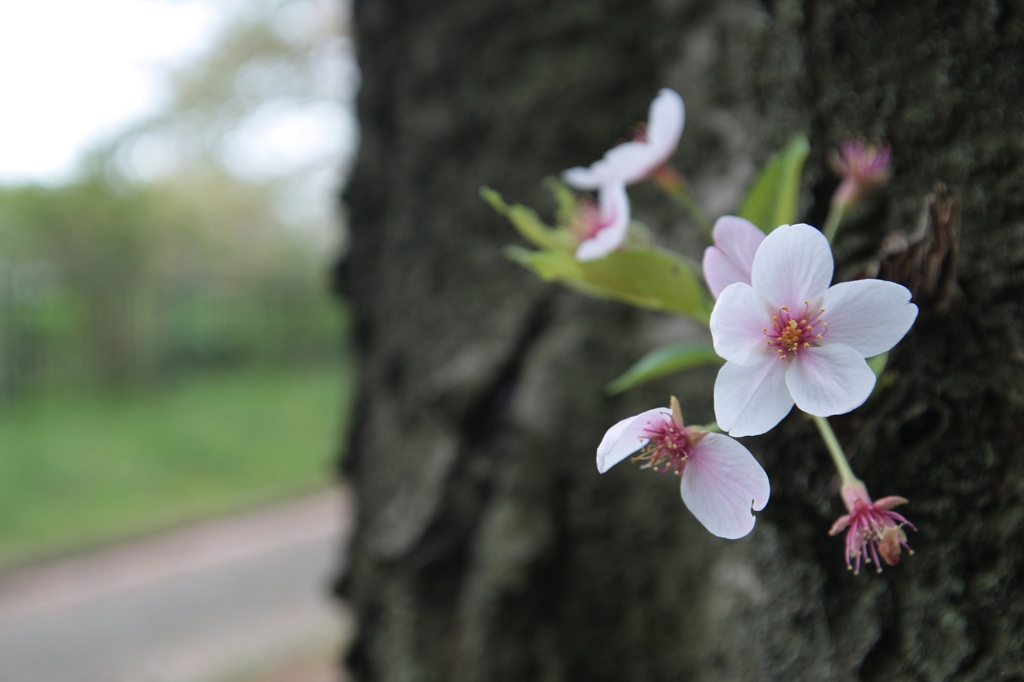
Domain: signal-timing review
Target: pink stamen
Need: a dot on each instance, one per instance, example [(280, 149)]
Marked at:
[(790, 333), (670, 446), (588, 221)]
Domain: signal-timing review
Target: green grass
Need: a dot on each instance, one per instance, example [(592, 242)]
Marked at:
[(81, 469)]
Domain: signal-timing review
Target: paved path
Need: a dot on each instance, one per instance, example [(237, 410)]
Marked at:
[(202, 604)]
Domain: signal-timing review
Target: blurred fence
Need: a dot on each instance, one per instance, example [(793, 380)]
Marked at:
[(170, 323)]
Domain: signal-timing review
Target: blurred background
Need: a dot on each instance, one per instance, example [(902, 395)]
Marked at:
[(169, 348)]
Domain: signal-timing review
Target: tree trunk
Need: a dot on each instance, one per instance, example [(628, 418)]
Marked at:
[(488, 547)]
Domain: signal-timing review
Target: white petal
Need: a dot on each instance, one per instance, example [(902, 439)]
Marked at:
[(868, 315), (828, 380), (721, 483), (738, 323), (626, 437), (581, 178), (793, 265), (630, 161), (751, 400), (730, 259), (615, 211), (665, 124), (591, 178)]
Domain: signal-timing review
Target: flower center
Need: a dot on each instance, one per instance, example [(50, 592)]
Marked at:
[(587, 221), (790, 332), (669, 447)]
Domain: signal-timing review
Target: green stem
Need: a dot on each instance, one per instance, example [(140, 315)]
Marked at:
[(834, 220), (836, 450), (674, 185)]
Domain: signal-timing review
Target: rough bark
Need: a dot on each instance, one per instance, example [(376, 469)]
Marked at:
[(488, 547)]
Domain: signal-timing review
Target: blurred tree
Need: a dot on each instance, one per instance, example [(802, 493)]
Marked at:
[(487, 546), (199, 236), (268, 104)]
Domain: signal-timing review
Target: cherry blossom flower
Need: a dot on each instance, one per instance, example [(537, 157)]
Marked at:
[(862, 167), (720, 480), (601, 228), (873, 531), (604, 231), (640, 158), (789, 338), (730, 259)]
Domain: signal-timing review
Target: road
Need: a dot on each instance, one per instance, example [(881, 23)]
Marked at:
[(216, 601)]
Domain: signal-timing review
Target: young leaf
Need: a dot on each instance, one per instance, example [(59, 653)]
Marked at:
[(528, 223), (652, 279), (564, 197), (877, 363), (775, 196), (663, 361)]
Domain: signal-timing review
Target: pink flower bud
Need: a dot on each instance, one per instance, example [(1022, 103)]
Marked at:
[(862, 167)]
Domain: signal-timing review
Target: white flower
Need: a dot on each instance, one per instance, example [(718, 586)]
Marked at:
[(720, 480), (789, 337), (623, 165)]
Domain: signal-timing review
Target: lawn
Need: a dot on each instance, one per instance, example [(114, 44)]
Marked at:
[(81, 469)]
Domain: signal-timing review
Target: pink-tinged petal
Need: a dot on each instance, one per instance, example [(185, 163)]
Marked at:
[(868, 315), (890, 502), (615, 214), (730, 259), (828, 380), (751, 400), (720, 271), (665, 124), (721, 483), (840, 525), (630, 161), (627, 436), (738, 323), (793, 265)]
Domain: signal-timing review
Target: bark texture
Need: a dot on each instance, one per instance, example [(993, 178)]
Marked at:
[(488, 548)]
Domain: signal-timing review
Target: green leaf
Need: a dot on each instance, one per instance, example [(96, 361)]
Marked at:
[(564, 197), (646, 278), (662, 361), (528, 223), (775, 196), (877, 363)]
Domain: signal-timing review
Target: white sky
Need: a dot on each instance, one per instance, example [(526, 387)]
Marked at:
[(75, 71)]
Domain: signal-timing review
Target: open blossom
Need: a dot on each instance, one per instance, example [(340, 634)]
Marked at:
[(861, 166), (639, 158), (873, 531), (730, 259), (788, 337), (601, 228), (720, 480), (604, 231)]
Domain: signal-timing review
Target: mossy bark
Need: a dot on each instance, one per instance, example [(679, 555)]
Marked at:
[(488, 548)]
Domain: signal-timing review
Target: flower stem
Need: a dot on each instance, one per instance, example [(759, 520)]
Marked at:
[(835, 218), (834, 449), (674, 185)]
